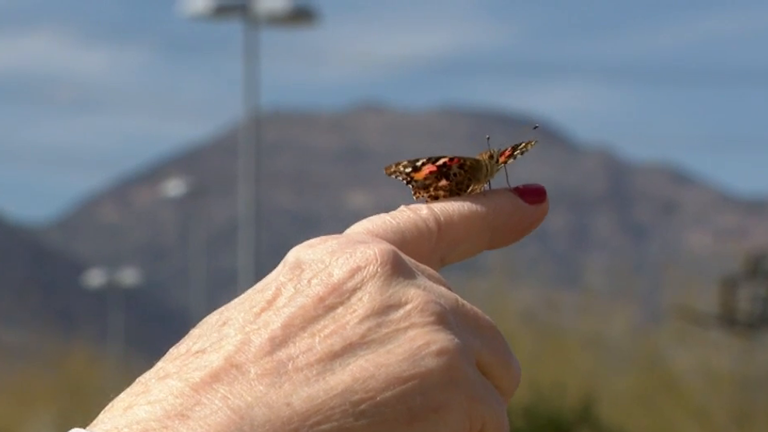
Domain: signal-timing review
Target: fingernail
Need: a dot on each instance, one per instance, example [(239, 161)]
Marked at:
[(532, 194)]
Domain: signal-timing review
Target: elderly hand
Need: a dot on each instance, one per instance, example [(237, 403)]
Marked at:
[(351, 332)]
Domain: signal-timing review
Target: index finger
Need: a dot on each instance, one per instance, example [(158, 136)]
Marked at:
[(448, 231)]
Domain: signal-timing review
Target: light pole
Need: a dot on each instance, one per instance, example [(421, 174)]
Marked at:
[(253, 14), (115, 283), (184, 189)]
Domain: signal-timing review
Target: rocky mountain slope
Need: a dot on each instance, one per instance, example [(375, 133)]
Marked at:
[(41, 297), (613, 226)]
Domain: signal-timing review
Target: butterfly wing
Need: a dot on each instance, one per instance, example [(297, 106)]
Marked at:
[(514, 151), (440, 177)]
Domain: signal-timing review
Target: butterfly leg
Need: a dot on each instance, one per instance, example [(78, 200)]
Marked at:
[(506, 174), (488, 141)]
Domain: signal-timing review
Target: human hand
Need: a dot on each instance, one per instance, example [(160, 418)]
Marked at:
[(351, 332)]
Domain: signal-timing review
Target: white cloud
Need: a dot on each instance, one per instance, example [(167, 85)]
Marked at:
[(72, 91), (373, 43), (64, 54), (73, 96), (352, 45)]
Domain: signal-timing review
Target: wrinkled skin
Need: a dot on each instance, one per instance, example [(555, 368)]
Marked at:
[(351, 332)]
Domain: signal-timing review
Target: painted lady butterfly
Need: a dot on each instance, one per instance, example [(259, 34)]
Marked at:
[(440, 177)]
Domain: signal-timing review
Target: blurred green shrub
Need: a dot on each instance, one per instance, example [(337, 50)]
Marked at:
[(550, 413), (63, 386)]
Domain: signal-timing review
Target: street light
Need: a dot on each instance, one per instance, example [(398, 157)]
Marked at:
[(253, 14), (282, 12), (175, 187), (115, 282), (183, 189)]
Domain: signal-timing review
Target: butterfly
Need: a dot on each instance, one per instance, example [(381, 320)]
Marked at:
[(439, 177)]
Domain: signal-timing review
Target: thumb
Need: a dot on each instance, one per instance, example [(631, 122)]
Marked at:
[(448, 231)]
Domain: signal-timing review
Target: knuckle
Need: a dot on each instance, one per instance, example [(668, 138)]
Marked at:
[(385, 257), (375, 254), (347, 257), (310, 249), (448, 353), (435, 308), (448, 346), (428, 307), (431, 315), (444, 343), (310, 246)]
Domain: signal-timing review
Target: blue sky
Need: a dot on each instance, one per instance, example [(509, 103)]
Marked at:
[(91, 89)]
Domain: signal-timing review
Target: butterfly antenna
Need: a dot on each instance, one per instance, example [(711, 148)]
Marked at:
[(535, 127)]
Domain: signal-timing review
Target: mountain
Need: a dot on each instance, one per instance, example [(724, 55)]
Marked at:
[(613, 226), (42, 298)]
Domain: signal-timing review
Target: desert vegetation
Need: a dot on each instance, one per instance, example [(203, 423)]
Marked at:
[(589, 364)]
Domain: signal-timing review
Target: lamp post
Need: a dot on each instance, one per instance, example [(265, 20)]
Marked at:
[(115, 282), (253, 14), (183, 189)]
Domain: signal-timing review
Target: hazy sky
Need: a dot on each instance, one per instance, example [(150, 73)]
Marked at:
[(91, 89)]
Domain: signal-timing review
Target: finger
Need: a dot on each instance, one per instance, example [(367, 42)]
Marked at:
[(447, 231), (494, 358), (490, 408)]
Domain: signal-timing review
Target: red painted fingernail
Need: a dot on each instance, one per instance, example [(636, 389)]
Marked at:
[(532, 193)]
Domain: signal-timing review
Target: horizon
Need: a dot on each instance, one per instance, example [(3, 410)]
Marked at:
[(91, 91), (180, 152)]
